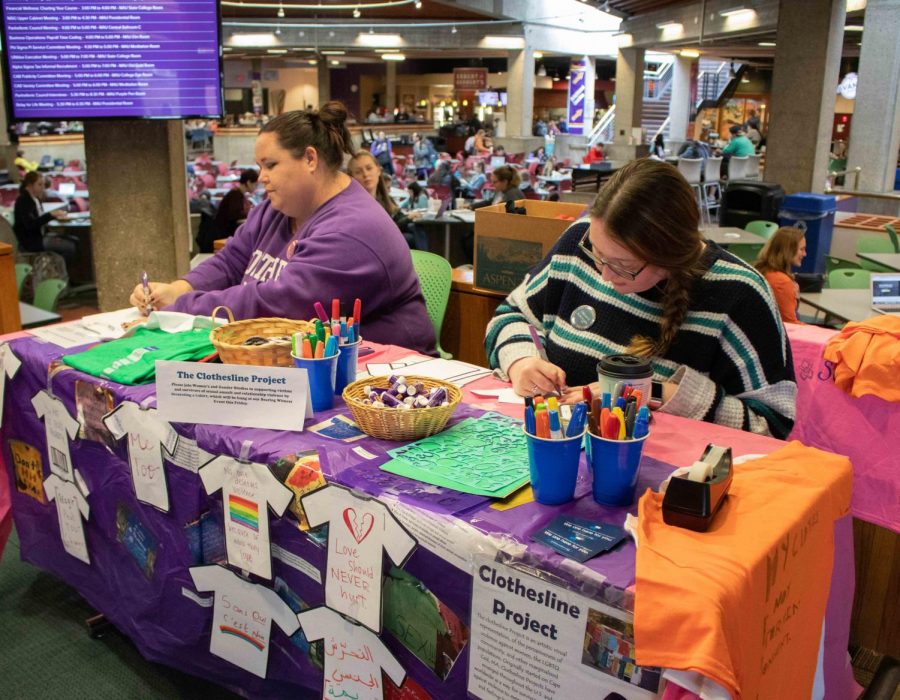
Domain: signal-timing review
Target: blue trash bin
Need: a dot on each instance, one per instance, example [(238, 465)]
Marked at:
[(814, 213)]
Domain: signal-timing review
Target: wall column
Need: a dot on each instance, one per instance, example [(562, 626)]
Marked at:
[(139, 216), (803, 93), (629, 103), (520, 92), (875, 131), (680, 102), (324, 81), (390, 87)]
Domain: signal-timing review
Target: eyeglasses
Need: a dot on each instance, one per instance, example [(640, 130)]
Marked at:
[(585, 245)]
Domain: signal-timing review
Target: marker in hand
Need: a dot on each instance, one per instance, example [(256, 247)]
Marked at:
[(145, 283)]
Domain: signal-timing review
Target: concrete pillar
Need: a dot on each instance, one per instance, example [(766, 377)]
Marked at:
[(590, 79), (629, 103), (875, 131), (803, 88), (139, 205), (680, 101), (520, 92), (324, 81), (390, 89)]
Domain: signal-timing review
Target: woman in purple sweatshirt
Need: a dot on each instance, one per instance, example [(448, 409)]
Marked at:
[(318, 236)]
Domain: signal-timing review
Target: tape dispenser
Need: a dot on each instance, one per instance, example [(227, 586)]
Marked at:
[(692, 501)]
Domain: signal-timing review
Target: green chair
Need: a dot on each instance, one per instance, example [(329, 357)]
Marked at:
[(874, 244), (766, 229), (849, 279), (748, 252), (435, 276), (892, 234), (22, 272), (46, 294)]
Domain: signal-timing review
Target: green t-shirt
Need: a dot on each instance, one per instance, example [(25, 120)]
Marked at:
[(739, 147), (132, 360)]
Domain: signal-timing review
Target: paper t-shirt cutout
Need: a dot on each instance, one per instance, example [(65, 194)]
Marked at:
[(59, 426), (71, 507), (247, 489), (354, 656), (9, 365), (358, 529), (242, 617), (148, 435)]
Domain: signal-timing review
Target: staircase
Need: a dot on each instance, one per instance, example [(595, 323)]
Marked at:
[(654, 110), (714, 82)]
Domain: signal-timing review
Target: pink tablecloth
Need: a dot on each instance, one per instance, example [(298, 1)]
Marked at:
[(864, 429), (6, 520)]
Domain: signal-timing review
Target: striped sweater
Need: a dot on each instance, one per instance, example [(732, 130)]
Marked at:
[(731, 358)]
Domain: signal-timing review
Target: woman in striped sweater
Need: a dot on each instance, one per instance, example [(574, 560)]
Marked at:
[(638, 277)]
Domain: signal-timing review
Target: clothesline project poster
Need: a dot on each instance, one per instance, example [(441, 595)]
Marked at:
[(71, 507), (529, 633), (358, 530), (59, 427)]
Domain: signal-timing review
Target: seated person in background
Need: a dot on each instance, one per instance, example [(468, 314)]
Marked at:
[(784, 250), (594, 155), (471, 186), (506, 181), (469, 146), (30, 219), (548, 169), (23, 164), (363, 168), (739, 146), (235, 205), (704, 319), (443, 175), (693, 149), (418, 197), (317, 237), (499, 151)]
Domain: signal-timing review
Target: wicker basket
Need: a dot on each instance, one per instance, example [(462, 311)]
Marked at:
[(228, 340), (398, 424)]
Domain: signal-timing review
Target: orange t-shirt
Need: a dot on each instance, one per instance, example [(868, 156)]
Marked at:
[(787, 294), (867, 357), (744, 602)]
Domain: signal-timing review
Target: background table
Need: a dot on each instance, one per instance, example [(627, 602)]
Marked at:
[(33, 317), (891, 260), (729, 235), (845, 304)]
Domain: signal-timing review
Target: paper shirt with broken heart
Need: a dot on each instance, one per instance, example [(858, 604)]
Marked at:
[(358, 529)]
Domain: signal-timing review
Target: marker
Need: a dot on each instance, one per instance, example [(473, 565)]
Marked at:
[(620, 417), (555, 428), (586, 394), (641, 427), (307, 348), (335, 309), (331, 346), (357, 315), (542, 420), (576, 422), (343, 332), (145, 283), (630, 413), (553, 403), (607, 400), (529, 402), (611, 427), (530, 426), (320, 328), (319, 352), (320, 312)]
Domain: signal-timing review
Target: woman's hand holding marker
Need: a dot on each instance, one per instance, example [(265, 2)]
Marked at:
[(532, 375)]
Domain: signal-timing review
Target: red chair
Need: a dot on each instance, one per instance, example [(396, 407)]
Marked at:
[(222, 168), (80, 204), (208, 180)]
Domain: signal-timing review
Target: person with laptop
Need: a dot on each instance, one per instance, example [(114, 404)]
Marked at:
[(30, 220), (782, 252)]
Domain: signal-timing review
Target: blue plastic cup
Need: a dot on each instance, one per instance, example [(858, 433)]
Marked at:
[(322, 373), (554, 468), (615, 465), (346, 366)]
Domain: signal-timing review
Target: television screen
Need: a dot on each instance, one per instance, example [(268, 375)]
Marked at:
[(488, 99), (74, 60), (503, 98)]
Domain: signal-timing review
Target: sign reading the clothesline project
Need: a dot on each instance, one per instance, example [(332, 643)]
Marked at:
[(530, 633), (241, 395)]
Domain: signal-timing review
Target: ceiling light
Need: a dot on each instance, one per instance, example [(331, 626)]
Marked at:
[(453, 29), (280, 12), (538, 54), (502, 42), (253, 39), (766, 43), (853, 28), (379, 40), (335, 63), (418, 4), (276, 50), (332, 52), (732, 11), (393, 57), (356, 13), (667, 23), (542, 71), (313, 62), (689, 53), (277, 31)]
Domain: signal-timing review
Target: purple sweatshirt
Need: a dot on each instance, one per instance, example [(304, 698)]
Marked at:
[(348, 248)]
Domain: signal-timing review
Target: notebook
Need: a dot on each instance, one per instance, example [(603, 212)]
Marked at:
[(886, 292)]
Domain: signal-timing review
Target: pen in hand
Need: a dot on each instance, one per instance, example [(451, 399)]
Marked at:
[(145, 283), (542, 353)]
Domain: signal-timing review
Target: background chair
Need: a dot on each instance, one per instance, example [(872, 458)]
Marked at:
[(435, 276), (691, 169), (748, 252), (874, 244), (46, 294), (849, 279), (752, 168), (737, 168), (892, 234), (832, 263), (766, 229), (22, 272)]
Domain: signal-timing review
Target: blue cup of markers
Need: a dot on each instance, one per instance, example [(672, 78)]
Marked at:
[(346, 366), (322, 373), (615, 465), (554, 467)]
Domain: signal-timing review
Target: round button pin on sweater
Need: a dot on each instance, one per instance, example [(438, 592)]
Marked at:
[(583, 317)]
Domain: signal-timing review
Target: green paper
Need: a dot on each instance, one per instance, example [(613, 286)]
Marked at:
[(487, 456)]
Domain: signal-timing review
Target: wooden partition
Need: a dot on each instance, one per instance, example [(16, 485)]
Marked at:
[(10, 321)]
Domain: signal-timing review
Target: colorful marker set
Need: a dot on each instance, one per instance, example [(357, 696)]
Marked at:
[(616, 416), (314, 346), (345, 329), (542, 418)]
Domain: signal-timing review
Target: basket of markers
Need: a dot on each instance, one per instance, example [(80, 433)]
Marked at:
[(401, 408), (256, 341)]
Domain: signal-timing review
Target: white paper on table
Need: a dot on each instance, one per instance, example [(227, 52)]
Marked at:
[(242, 617), (9, 365), (248, 490), (59, 426), (71, 507), (453, 371), (66, 335), (108, 326), (506, 395), (358, 530), (148, 436), (354, 656)]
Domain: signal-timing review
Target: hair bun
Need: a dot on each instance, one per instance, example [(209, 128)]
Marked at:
[(333, 113)]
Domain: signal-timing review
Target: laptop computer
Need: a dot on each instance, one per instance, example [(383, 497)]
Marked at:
[(497, 161), (66, 189), (886, 292)]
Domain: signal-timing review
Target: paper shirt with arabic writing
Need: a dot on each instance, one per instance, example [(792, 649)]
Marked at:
[(242, 617), (146, 434), (71, 507), (248, 489), (9, 365), (59, 426), (358, 529), (354, 656)]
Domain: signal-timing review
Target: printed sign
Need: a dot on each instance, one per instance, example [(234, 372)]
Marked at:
[(470, 78), (59, 427), (576, 100), (28, 471)]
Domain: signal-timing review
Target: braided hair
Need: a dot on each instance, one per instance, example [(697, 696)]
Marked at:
[(649, 208)]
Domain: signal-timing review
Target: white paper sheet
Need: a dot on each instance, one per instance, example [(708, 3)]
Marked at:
[(506, 395), (108, 326), (59, 427), (9, 365), (71, 507), (453, 371)]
